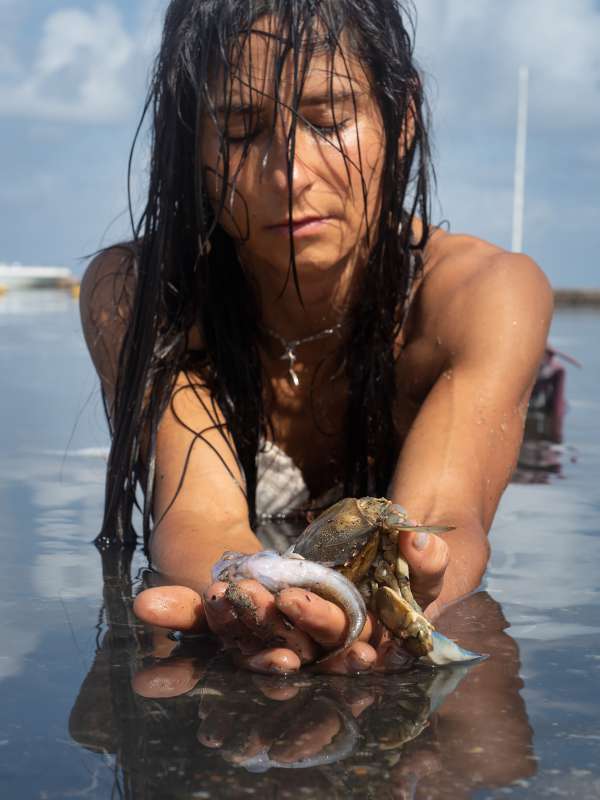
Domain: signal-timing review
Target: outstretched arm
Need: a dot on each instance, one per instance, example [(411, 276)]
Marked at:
[(200, 511), (486, 313), (199, 506)]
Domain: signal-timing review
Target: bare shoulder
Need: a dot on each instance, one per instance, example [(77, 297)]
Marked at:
[(105, 303), (473, 291), (108, 283)]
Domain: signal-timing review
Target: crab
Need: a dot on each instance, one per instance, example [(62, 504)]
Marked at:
[(359, 538), (349, 555)]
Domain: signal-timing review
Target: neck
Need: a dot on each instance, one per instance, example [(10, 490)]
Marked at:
[(326, 297)]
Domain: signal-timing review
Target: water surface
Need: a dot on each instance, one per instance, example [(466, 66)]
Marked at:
[(76, 671)]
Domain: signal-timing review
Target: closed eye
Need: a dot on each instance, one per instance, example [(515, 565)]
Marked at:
[(321, 130)]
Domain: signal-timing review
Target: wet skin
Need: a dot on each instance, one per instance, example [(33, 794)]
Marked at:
[(459, 422), (479, 737)]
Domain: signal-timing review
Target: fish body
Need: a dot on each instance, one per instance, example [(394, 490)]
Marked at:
[(277, 572)]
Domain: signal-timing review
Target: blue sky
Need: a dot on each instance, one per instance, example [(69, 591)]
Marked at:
[(72, 80)]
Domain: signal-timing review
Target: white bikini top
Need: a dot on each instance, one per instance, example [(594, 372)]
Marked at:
[(283, 499), (281, 491)]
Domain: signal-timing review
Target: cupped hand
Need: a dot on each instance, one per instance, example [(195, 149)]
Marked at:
[(267, 633), (281, 633), (287, 631)]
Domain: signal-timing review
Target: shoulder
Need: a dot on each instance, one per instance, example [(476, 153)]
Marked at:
[(108, 283), (470, 286), (105, 303)]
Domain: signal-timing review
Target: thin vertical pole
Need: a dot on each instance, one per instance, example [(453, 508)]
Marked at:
[(519, 188)]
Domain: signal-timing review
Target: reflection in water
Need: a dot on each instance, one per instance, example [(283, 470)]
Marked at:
[(181, 721), (542, 453)]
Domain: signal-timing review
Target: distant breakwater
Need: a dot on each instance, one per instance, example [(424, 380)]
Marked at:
[(577, 298)]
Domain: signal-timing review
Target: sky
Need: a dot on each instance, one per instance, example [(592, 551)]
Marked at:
[(73, 79)]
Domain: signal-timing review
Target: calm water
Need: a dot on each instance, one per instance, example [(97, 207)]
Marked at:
[(524, 724)]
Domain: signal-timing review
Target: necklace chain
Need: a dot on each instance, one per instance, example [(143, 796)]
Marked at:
[(290, 346)]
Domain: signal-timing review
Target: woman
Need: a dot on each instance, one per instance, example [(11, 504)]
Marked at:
[(286, 302)]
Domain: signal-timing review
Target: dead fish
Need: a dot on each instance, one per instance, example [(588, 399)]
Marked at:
[(277, 572)]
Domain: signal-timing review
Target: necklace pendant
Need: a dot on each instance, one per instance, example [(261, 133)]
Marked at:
[(293, 378), (289, 348)]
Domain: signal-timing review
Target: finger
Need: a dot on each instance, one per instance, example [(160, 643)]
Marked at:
[(274, 689), (208, 738), (175, 607), (356, 696), (216, 731), (359, 657), (253, 745), (167, 680), (256, 609), (361, 704), (307, 737), (162, 643), (223, 620), (276, 660), (323, 621), (427, 554)]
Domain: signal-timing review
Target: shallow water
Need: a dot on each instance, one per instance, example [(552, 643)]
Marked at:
[(74, 666)]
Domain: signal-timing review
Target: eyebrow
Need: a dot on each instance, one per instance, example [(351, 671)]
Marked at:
[(305, 101)]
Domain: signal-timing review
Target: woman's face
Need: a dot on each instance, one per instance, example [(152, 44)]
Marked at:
[(328, 203)]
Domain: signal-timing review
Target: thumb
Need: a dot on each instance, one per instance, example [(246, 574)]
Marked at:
[(427, 556), (175, 607)]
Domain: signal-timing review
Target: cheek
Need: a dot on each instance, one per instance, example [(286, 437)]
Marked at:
[(230, 197), (365, 151), (372, 151)]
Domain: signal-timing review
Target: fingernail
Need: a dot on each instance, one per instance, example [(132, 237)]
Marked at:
[(420, 540), (264, 662)]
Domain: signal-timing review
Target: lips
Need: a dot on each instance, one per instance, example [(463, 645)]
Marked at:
[(298, 222)]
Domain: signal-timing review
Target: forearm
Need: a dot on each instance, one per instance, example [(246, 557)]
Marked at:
[(468, 557), (184, 547)]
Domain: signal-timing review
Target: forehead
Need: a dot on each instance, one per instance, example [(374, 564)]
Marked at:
[(264, 66)]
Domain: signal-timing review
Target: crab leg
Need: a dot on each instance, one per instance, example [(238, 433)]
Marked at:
[(402, 576)]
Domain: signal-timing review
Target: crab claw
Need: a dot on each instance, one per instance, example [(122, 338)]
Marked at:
[(445, 651)]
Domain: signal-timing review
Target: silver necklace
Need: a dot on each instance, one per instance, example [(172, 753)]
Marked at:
[(290, 346)]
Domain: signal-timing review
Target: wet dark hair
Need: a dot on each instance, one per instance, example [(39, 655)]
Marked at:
[(179, 281)]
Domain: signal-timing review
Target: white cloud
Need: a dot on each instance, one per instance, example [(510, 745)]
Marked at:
[(85, 68), (472, 50)]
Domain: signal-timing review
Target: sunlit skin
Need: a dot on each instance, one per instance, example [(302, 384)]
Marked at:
[(331, 251), (468, 356)]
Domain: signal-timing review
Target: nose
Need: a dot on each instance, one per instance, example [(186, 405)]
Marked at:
[(277, 158)]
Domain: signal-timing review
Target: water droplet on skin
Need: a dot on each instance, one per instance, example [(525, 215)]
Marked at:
[(514, 321), (503, 427), (438, 341)]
